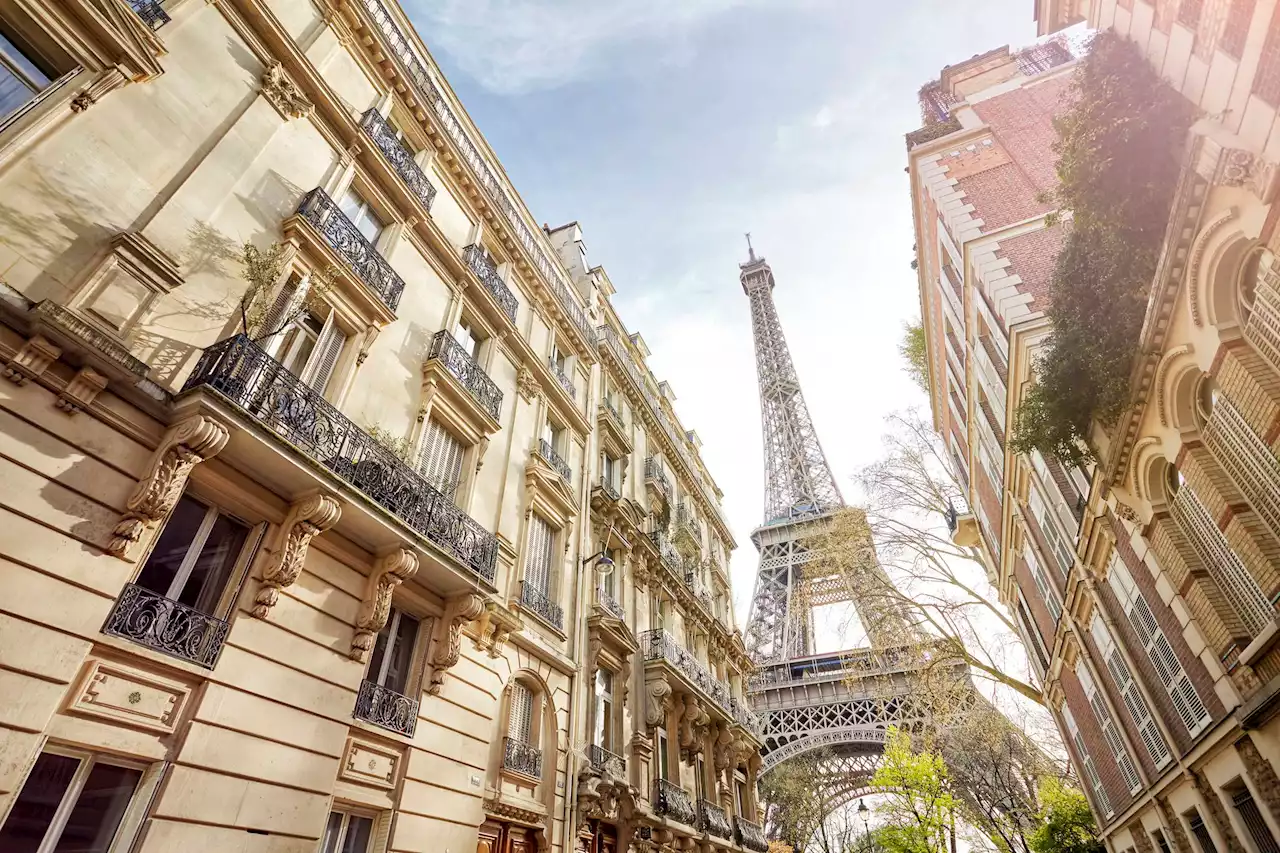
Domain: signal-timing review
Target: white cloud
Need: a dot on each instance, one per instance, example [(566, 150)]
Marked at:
[(515, 46)]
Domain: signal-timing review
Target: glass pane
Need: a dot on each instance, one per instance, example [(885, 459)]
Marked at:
[(37, 802), (172, 546), (606, 724), (401, 654), (99, 809), (209, 576), (359, 831), (369, 225), (332, 833), (351, 205)]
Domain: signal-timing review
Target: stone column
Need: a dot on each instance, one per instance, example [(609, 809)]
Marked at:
[(1217, 812)]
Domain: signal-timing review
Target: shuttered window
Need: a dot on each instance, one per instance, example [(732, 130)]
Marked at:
[(319, 369), (520, 722), (284, 306), (1201, 832), (1048, 594), (1101, 800), (1058, 544), (440, 459), (1254, 821), (1130, 693), (537, 561), (1110, 730), (1164, 661)]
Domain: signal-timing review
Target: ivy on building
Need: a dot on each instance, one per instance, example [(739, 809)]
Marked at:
[(1120, 149)]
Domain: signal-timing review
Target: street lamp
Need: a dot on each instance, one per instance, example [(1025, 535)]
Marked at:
[(863, 811), (604, 563)]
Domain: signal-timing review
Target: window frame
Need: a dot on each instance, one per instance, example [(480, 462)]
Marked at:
[(348, 811), (366, 209), (413, 675)]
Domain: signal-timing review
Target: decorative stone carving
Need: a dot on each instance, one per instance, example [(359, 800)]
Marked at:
[(1126, 512), (1181, 844), (32, 360), (283, 94), (1240, 168), (726, 748), (389, 572), (495, 626), (106, 82), (122, 694), (83, 388), (458, 613), (307, 518), (694, 723), (185, 445), (1217, 812), (657, 701), (369, 763), (604, 796), (1261, 773), (528, 386)]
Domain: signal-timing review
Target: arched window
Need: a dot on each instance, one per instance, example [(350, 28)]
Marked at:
[(522, 744)]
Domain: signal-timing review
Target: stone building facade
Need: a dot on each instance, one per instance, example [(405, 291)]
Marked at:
[(1144, 584), (387, 541)]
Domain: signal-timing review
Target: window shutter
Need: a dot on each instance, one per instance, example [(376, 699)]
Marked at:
[(537, 563), (1047, 593), (1109, 732), (518, 725), (286, 302), (440, 459), (325, 357), (1102, 801)]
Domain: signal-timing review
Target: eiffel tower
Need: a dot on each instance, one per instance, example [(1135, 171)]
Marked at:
[(841, 702)]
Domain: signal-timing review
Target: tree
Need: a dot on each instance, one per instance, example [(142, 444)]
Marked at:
[(914, 352), (916, 808), (263, 269), (795, 805), (1067, 825)]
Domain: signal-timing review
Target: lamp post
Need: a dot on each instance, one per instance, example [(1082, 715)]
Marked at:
[(863, 811)]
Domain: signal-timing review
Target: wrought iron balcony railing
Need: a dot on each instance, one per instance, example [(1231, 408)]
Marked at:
[(151, 13), (670, 556), (653, 473), (149, 619), (670, 800), (386, 708), (749, 835), (524, 758), (400, 156), (239, 370), (659, 645), (537, 602), (563, 378), (464, 368), (352, 246), (712, 820), (700, 591), (609, 491), (547, 452), (610, 604), (613, 411), (607, 762), (403, 52), (687, 522), (484, 268)]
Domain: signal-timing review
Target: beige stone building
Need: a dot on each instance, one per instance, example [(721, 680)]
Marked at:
[(387, 541)]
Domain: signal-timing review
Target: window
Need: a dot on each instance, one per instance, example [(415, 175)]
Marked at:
[(194, 556), (604, 709), (361, 215), (1161, 841), (1164, 660), (612, 472), (554, 436), (1253, 821), (538, 559), (740, 796), (305, 339), (609, 582), (701, 771), (1200, 831), (468, 338), (392, 658), (1109, 729), (347, 833), (440, 459), (70, 803), (1101, 800), (659, 613), (662, 755), (1048, 593), (1058, 544), (1130, 692), (23, 73), (520, 719)]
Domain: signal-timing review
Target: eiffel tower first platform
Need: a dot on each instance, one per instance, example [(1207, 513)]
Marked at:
[(842, 701)]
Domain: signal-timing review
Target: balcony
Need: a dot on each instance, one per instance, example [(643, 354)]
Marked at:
[(535, 601), (700, 591), (260, 386), (670, 556), (521, 757), (655, 480), (401, 157), (672, 801), (712, 820), (482, 265), (606, 762), (149, 619), (352, 247), (749, 835), (607, 489), (610, 605), (151, 13), (469, 374), (548, 453), (962, 526), (659, 646), (386, 708), (565, 382), (687, 533)]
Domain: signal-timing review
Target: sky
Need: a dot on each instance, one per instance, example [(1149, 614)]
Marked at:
[(668, 128)]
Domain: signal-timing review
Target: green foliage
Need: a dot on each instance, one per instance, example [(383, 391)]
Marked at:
[(1068, 825), (399, 445), (1119, 150), (916, 808), (914, 351)]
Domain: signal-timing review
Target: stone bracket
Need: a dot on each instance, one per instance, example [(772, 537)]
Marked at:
[(32, 360), (391, 570), (306, 519), (459, 611)]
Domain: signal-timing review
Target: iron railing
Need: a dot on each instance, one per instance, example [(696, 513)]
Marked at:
[(610, 604), (151, 13), (537, 602), (609, 491), (687, 521), (670, 556), (386, 708), (467, 371), (670, 800), (400, 156), (712, 819), (239, 370), (700, 591), (563, 378), (485, 269), (607, 762), (658, 645), (403, 52), (522, 757), (613, 411), (547, 452), (352, 246), (149, 619), (653, 471), (749, 835)]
